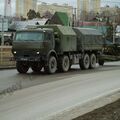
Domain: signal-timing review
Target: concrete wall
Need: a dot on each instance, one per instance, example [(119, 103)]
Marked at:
[(6, 57)]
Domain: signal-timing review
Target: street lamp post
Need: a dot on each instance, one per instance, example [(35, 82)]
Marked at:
[(114, 27), (114, 32), (2, 40), (2, 32)]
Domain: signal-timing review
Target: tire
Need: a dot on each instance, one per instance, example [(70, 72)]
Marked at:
[(93, 61), (6, 43), (22, 67), (64, 63), (85, 62), (36, 67), (101, 62), (52, 65)]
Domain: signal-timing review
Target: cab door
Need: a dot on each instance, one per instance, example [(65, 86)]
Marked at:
[(49, 41)]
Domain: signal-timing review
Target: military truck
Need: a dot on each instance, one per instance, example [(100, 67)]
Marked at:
[(56, 47), (111, 51)]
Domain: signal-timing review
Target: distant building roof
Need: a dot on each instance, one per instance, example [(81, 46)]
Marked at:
[(89, 31), (16, 25), (101, 26), (60, 18)]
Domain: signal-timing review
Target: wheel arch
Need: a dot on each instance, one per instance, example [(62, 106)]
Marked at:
[(52, 53)]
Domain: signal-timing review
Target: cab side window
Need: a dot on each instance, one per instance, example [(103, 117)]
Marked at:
[(48, 36)]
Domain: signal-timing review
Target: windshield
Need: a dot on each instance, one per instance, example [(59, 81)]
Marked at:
[(29, 36)]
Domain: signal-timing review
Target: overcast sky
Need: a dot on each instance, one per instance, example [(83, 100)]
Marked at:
[(74, 2), (70, 2)]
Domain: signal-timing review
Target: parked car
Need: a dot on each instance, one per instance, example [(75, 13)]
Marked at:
[(8, 38)]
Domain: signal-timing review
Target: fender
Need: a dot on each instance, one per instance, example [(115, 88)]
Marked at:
[(52, 52)]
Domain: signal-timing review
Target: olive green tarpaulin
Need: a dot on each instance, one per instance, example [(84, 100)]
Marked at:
[(88, 39), (67, 37), (60, 18)]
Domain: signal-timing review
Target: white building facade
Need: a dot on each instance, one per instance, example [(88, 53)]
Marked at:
[(87, 6), (23, 6)]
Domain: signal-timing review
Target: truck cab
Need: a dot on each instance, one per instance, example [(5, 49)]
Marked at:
[(31, 47)]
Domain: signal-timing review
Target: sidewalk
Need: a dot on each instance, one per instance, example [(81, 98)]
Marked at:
[(7, 67)]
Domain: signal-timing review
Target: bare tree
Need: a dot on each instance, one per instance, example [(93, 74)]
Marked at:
[(91, 15), (84, 16), (31, 14), (47, 14)]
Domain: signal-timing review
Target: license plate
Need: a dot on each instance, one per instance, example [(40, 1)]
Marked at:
[(24, 59)]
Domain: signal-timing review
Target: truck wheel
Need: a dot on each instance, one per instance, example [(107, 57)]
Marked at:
[(101, 62), (52, 65), (6, 43), (64, 65), (85, 62), (36, 67), (22, 67), (92, 61)]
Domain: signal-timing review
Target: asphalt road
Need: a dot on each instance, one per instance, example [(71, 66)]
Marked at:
[(54, 93), (9, 78)]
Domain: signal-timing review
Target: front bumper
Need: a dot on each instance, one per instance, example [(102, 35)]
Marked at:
[(29, 59)]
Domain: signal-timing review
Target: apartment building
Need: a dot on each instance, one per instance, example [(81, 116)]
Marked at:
[(23, 6), (87, 6)]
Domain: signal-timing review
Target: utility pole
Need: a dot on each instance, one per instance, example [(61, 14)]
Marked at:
[(74, 17), (114, 33), (2, 40), (2, 32), (114, 28)]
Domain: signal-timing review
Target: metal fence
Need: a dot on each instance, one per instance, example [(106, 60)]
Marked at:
[(6, 57)]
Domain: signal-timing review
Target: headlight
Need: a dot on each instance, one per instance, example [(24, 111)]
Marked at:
[(38, 53), (14, 52)]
